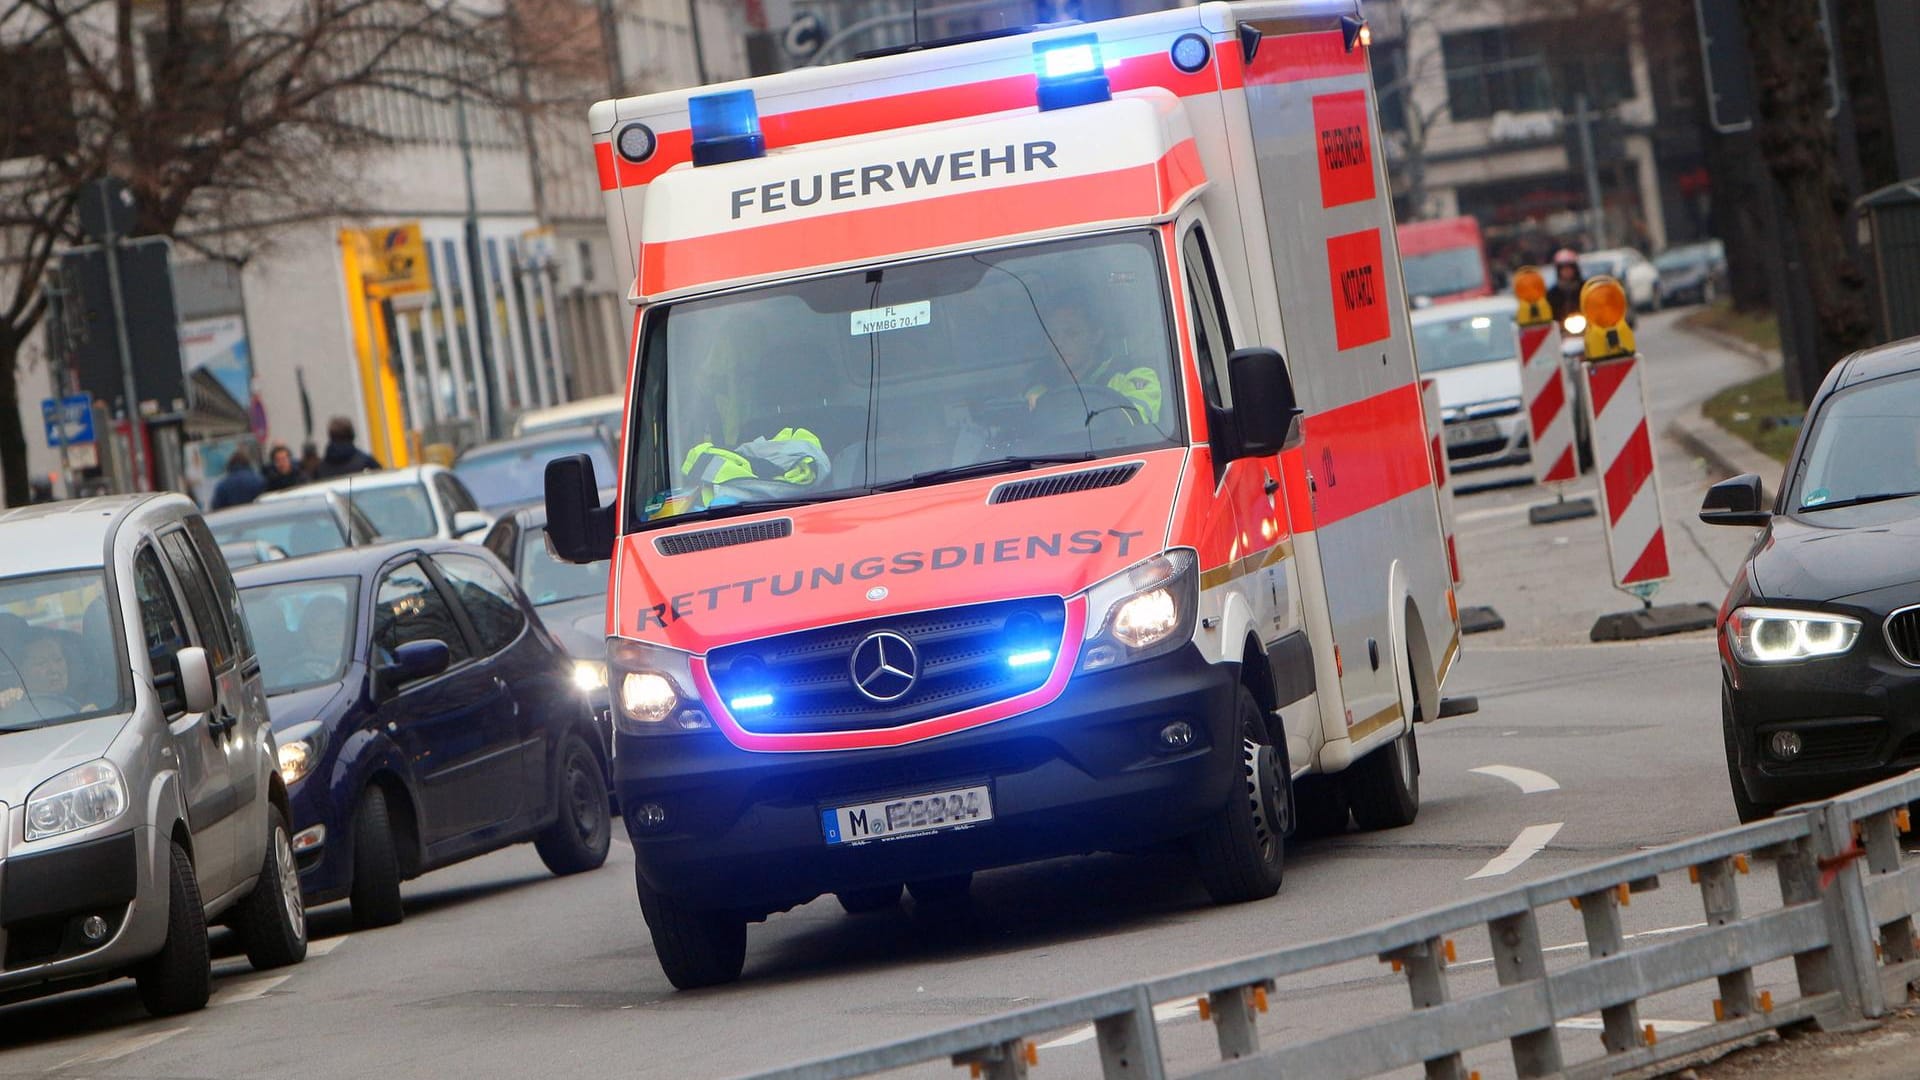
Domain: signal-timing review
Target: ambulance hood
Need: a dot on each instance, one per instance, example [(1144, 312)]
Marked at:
[(913, 550)]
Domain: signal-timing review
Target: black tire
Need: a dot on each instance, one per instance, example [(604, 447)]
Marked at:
[(376, 865), (179, 978), (578, 839), (950, 890), (272, 920), (1384, 786), (1241, 852), (867, 901), (695, 948), (1745, 806)]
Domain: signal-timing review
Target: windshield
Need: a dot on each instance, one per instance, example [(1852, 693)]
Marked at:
[(1459, 342), (547, 580), (517, 472), (837, 384), (1685, 258), (57, 656), (1444, 272), (398, 511), (303, 630), (1594, 266), (1865, 442), (306, 530)]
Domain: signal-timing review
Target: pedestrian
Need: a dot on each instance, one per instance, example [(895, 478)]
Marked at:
[(280, 470), (1563, 296), (342, 457), (242, 484), (309, 463)]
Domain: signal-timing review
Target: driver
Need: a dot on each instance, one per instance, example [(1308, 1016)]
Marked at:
[(43, 670), (1086, 359), (1563, 296)]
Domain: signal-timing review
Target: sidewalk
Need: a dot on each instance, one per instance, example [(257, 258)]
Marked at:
[(1888, 1052)]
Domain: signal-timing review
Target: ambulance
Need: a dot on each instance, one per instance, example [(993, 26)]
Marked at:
[(1024, 456)]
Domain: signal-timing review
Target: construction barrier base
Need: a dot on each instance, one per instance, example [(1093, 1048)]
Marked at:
[(1563, 510), (1479, 620), (1650, 622)]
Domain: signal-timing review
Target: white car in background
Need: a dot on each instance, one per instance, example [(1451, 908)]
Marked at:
[(603, 412), (413, 503), (1471, 353), (1633, 270)]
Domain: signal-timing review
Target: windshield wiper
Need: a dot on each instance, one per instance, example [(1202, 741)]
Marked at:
[(755, 506), (1861, 500), (983, 468)]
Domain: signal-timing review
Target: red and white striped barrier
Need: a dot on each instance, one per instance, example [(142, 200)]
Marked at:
[(1616, 406), (1442, 477), (1543, 382)]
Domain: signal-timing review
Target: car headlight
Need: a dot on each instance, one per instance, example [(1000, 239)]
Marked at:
[(82, 797), (1575, 323), (299, 748), (1143, 611), (655, 690), (589, 675), (1780, 635)]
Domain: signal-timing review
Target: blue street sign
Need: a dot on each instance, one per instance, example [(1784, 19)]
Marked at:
[(79, 419)]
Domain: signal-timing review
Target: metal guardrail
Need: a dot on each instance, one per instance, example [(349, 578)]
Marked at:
[(1846, 919)]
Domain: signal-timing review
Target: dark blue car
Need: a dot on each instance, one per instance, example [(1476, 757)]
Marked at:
[(424, 715)]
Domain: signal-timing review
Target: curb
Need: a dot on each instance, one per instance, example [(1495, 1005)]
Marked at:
[(1726, 454), (1767, 358)]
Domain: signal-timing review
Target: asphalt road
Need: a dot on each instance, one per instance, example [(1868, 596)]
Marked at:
[(1585, 751)]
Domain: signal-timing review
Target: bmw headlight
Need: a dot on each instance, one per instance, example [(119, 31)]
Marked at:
[(1144, 611), (589, 675), (653, 689), (1781, 635), (82, 797)]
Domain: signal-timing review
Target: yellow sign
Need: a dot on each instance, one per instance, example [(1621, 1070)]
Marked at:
[(397, 260), (1531, 290), (1604, 303)]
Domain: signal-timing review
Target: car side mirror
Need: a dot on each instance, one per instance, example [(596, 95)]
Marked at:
[(196, 679), (579, 529), (468, 522), (415, 660), (1265, 408), (1736, 502)]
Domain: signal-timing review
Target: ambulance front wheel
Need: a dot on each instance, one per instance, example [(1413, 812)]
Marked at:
[(1241, 852), (695, 948)]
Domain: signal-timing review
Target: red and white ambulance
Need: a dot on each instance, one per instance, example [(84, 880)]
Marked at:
[(968, 513)]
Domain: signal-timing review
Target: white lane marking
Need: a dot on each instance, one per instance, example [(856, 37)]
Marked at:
[(119, 1048), (326, 945), (1524, 847), (1660, 1027), (1170, 1010), (239, 990), (1526, 780), (1581, 945)]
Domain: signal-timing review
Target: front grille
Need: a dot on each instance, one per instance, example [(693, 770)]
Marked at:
[(727, 536), (962, 664), (1064, 483), (1903, 636)]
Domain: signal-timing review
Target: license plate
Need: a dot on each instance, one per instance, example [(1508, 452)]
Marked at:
[(1472, 432), (907, 816)]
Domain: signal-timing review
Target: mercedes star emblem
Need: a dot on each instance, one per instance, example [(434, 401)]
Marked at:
[(884, 666)]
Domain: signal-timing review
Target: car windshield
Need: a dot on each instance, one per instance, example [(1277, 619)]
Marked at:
[(1444, 272), (1682, 258), (398, 511), (303, 630), (299, 530), (1594, 266), (1865, 443), (547, 580), (1457, 342), (57, 656), (517, 472), (894, 376)]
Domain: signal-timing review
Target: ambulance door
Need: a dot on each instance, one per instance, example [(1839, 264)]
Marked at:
[(1259, 568)]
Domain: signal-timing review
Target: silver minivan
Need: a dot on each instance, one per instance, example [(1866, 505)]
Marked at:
[(139, 790)]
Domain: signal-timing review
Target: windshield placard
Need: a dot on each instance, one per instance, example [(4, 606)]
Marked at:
[(892, 317)]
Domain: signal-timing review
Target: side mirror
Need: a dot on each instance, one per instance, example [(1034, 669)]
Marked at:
[(1264, 406), (415, 660), (196, 679), (1735, 502), (468, 522), (579, 529)]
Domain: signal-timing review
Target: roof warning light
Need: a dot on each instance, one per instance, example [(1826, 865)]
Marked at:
[(726, 127), (1070, 72)]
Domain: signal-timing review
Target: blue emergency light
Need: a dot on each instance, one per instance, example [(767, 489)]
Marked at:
[(726, 127), (746, 702), (1029, 657), (1070, 72)]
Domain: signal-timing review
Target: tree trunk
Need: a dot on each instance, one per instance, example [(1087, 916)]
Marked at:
[(1797, 143), (13, 438)]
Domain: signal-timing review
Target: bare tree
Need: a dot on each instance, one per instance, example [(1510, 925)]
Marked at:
[(237, 113)]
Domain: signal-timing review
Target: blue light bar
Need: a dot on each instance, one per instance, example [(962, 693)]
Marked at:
[(751, 701), (1070, 72), (726, 127), (1029, 658)]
